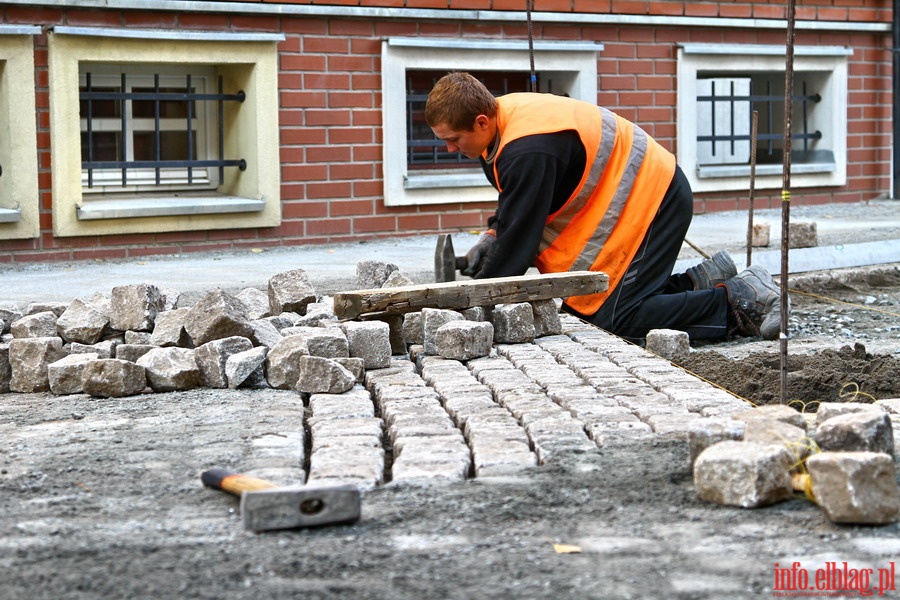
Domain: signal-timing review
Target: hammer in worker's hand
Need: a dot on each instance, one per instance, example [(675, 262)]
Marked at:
[(446, 263), (266, 506)]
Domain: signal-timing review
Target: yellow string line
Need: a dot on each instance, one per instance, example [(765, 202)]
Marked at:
[(862, 306)]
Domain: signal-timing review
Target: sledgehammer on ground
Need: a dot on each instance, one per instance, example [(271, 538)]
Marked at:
[(265, 506)]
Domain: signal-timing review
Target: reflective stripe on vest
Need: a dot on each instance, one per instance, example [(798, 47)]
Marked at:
[(627, 173)]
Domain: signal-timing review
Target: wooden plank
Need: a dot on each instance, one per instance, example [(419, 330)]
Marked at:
[(458, 295)]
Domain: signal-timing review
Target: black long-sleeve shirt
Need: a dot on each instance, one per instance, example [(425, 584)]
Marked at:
[(537, 173)]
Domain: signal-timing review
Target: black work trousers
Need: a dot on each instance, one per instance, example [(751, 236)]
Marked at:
[(649, 296)]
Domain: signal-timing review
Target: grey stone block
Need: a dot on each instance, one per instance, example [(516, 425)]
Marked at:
[(215, 316), (704, 432), (256, 301), (171, 369), (212, 357), (770, 431), (865, 431), (318, 374), (104, 349), (66, 374), (464, 340), (36, 325), (412, 328), (546, 317), (57, 308), (827, 410), (803, 235), (668, 343), (265, 333), (247, 367), (372, 274), (432, 320), (369, 340), (743, 474), (855, 487), (397, 279), (28, 360), (168, 329), (8, 314), (5, 369), (113, 378), (779, 412), (82, 322), (290, 291), (282, 362), (132, 352), (134, 307), (513, 323)]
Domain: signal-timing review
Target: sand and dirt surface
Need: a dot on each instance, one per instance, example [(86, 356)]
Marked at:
[(101, 498)]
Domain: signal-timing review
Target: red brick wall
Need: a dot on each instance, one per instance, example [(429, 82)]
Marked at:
[(331, 117)]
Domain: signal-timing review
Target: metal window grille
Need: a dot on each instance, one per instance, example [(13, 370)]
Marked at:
[(157, 96), (769, 105), (423, 150)]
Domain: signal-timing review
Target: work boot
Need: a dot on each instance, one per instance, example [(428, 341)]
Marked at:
[(711, 272), (754, 302)]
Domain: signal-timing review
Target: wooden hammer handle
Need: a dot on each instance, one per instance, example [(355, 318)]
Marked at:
[(233, 483)]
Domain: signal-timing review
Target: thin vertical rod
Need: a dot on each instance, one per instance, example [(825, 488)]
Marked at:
[(754, 131), (786, 194), (528, 7), (124, 120)]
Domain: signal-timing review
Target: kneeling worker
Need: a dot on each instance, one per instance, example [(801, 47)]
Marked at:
[(580, 188)]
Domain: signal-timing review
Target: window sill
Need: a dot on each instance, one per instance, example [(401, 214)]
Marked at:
[(166, 207), (442, 181), (10, 215), (710, 172)]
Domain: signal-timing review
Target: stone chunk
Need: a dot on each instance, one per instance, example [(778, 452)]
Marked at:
[(42, 324), (28, 360), (669, 344), (113, 378), (246, 367), (703, 433), (8, 314), (865, 431), (282, 362), (828, 410), (171, 369), (759, 237), (779, 412), (66, 374), (132, 352), (855, 487), (432, 320), (412, 328), (215, 316), (212, 357), (803, 235), (327, 342), (5, 370), (770, 431), (104, 349), (464, 340), (513, 323), (323, 375), (546, 317), (370, 341), (397, 279), (372, 274), (57, 308), (82, 322), (134, 307), (743, 474), (256, 301), (265, 333), (290, 291), (168, 329)]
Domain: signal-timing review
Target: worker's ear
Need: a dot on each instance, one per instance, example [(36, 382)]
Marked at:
[(481, 123)]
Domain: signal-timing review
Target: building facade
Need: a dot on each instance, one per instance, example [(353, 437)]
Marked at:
[(141, 127)]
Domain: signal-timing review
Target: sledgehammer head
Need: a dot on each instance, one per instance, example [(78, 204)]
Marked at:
[(265, 506), (307, 506)]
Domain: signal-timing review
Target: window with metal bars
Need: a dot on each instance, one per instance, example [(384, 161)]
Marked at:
[(151, 129), (423, 150), (725, 106)]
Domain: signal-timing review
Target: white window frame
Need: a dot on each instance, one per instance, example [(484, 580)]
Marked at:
[(830, 61), (243, 199), (109, 181), (572, 66)]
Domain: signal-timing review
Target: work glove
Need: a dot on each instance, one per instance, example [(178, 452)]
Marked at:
[(477, 254)]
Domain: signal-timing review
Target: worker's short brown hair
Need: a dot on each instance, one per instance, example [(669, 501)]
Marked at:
[(456, 99)]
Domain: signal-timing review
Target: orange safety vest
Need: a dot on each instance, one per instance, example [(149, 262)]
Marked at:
[(626, 175)]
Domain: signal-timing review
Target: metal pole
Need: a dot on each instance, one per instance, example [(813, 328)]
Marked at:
[(528, 8), (786, 193), (754, 131), (896, 101)]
